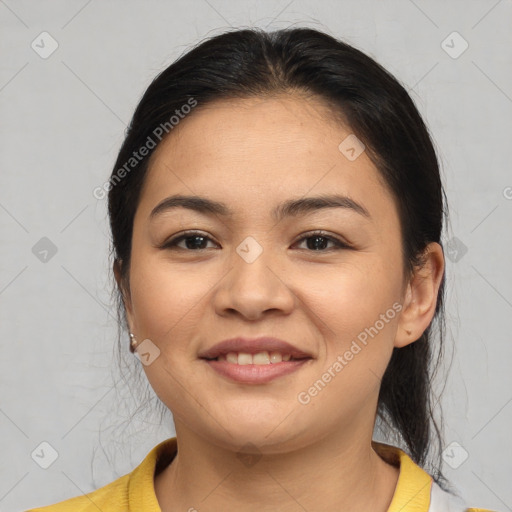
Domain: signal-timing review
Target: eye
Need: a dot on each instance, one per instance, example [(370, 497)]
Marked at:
[(197, 241), (319, 240)]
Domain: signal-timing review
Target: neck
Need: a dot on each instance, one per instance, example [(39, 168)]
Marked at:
[(342, 473)]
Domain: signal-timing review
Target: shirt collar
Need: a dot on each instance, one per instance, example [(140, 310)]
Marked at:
[(412, 492), (141, 488)]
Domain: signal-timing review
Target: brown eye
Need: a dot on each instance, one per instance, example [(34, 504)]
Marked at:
[(317, 241), (193, 241)]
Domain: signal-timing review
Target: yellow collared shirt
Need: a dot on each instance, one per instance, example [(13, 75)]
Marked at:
[(134, 492)]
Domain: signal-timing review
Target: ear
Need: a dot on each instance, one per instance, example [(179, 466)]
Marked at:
[(421, 297), (125, 292)]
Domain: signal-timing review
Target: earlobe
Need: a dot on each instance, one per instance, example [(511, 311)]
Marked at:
[(421, 297)]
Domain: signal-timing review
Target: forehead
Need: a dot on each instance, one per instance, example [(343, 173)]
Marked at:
[(257, 151)]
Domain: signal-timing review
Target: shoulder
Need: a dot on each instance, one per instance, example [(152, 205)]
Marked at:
[(112, 497), (133, 491), (416, 489)]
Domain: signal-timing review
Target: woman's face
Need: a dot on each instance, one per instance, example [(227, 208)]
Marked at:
[(249, 273)]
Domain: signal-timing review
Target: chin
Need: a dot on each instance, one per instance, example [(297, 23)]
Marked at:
[(275, 434)]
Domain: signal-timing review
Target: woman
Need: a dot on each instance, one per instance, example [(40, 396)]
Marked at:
[(276, 212)]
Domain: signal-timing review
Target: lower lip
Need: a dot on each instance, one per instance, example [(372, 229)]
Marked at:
[(255, 373)]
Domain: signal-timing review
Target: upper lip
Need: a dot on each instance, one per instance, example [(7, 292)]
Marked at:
[(253, 346)]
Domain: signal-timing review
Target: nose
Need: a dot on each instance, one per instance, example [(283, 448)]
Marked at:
[(254, 288)]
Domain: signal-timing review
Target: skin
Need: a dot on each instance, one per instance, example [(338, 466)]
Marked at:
[(253, 154)]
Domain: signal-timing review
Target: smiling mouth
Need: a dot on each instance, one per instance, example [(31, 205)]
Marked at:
[(260, 358), (255, 369)]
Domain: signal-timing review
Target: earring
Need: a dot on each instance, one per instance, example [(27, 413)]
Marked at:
[(133, 343)]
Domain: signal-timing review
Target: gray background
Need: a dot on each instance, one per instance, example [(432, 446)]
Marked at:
[(62, 123)]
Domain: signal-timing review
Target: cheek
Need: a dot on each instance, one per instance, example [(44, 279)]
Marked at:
[(350, 295), (356, 309), (356, 313), (166, 299)]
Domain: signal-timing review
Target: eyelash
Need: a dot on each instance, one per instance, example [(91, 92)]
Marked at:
[(338, 244)]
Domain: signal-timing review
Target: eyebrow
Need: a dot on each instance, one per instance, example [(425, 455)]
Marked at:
[(291, 207)]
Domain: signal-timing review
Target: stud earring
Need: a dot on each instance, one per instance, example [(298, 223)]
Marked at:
[(133, 343)]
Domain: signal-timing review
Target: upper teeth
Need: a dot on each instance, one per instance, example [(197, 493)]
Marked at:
[(259, 358)]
